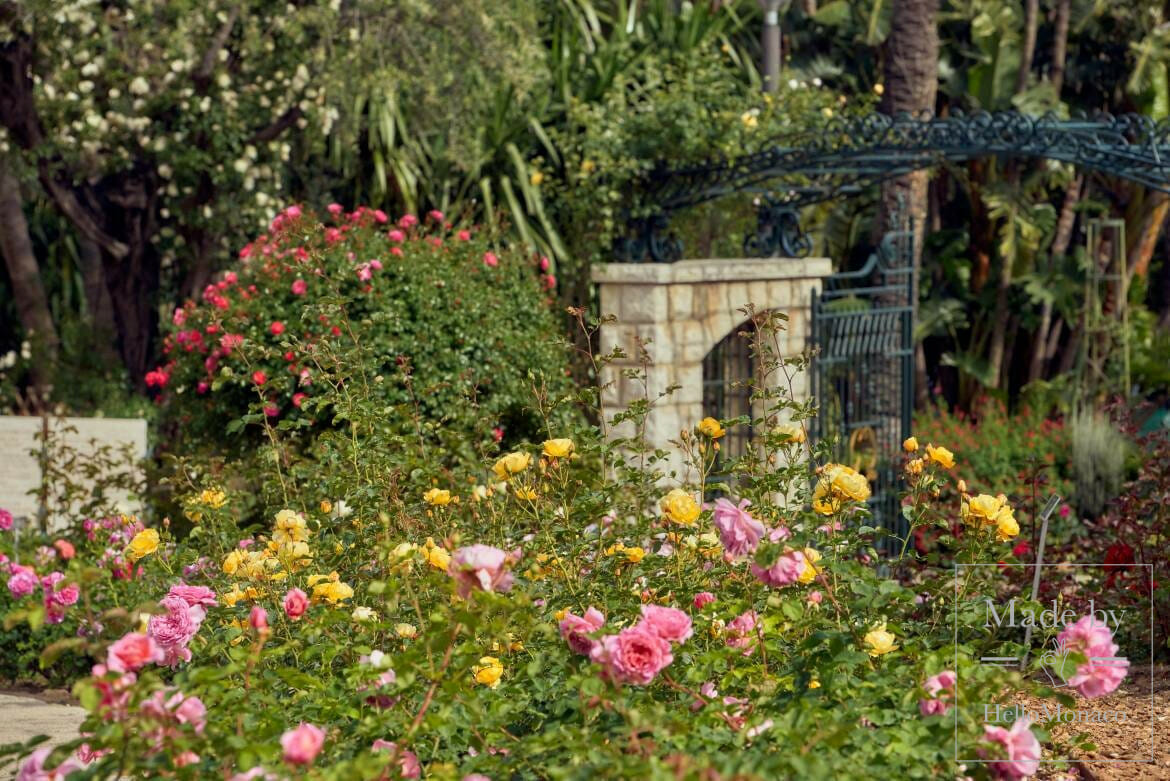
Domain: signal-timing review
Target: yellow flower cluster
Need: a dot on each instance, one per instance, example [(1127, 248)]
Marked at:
[(287, 551), (809, 570), (680, 507), (940, 456), (838, 484), (633, 554), (986, 511), (792, 432), (329, 588)]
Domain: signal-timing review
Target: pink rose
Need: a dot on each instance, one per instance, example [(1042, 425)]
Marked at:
[(258, 618), (175, 628), (634, 655), (814, 597), (132, 651), (396, 235), (194, 596), (671, 624), (407, 221), (741, 632), (23, 581), (575, 630), (302, 744), (481, 567), (739, 532), (784, 572), (5, 521), (296, 602), (34, 768), (490, 260), (702, 599), (65, 549), (464, 235), (300, 287), (408, 765), (334, 209), (1104, 671), (191, 710), (1021, 746), (944, 684)]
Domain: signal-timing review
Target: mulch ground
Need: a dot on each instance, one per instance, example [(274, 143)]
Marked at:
[(1145, 734)]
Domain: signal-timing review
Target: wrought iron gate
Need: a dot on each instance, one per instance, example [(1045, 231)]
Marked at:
[(863, 370), (729, 372)]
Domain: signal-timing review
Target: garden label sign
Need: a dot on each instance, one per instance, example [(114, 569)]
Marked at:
[(21, 474)]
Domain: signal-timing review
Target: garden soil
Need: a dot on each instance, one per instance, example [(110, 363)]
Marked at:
[(1114, 742)]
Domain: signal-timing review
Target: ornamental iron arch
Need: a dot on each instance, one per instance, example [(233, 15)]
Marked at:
[(848, 155)]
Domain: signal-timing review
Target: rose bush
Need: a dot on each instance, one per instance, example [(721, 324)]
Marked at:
[(561, 609)]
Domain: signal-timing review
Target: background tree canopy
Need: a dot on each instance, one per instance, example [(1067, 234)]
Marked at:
[(144, 142)]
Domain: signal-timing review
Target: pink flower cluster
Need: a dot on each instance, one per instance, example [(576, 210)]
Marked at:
[(5, 520), (940, 688), (482, 568), (166, 715), (575, 630), (186, 608), (1021, 747), (34, 769), (1104, 671), (302, 744), (115, 533), (740, 632), (57, 597), (407, 761), (637, 654)]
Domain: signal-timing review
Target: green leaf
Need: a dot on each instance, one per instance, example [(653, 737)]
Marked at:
[(834, 14), (53, 651)]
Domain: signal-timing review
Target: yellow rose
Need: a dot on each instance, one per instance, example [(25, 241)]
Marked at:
[(439, 497), (1006, 526), (558, 448), (679, 506), (236, 594), (823, 502), (332, 591), (983, 509), (406, 631), (940, 456), (143, 544), (850, 483), (809, 569), (914, 466), (511, 464), (232, 562), (488, 672), (634, 555), (910, 445), (403, 549), (793, 432), (435, 555), (290, 527), (536, 178), (879, 641), (362, 614), (711, 428), (560, 614), (213, 498), (326, 506), (525, 493)]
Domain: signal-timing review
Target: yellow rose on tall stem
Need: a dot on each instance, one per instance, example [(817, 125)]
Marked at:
[(679, 506), (144, 543), (940, 456), (711, 427), (511, 464), (558, 448), (439, 497)]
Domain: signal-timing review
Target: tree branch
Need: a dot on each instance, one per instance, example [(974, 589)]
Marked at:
[(278, 126), (202, 76)]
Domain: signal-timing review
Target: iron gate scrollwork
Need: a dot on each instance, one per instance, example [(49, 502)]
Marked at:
[(863, 370)]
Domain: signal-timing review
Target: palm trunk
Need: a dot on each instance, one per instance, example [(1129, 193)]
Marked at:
[(1060, 243), (32, 305), (1060, 44), (1154, 212), (1028, 51)]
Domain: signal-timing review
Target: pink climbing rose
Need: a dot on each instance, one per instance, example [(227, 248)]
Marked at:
[(1103, 671), (669, 623), (1021, 746), (302, 744), (132, 652), (575, 630), (481, 567), (939, 688), (739, 532), (635, 655)]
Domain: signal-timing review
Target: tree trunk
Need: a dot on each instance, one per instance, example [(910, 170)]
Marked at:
[(31, 303), (99, 305), (1060, 242), (1028, 49), (1060, 44), (1154, 212), (999, 321)]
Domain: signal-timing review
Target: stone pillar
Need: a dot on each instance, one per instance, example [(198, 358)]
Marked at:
[(683, 310)]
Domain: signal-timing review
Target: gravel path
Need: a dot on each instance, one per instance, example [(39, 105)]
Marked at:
[(22, 717)]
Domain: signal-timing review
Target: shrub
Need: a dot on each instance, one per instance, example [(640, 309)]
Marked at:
[(568, 615), (443, 331)]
